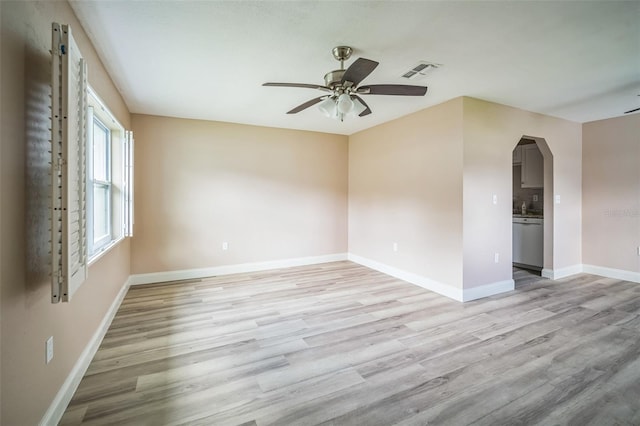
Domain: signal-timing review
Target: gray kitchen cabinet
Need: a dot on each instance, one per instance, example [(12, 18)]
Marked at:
[(532, 167), (517, 155)]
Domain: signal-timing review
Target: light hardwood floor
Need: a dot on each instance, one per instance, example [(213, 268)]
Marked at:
[(341, 344), (522, 277)]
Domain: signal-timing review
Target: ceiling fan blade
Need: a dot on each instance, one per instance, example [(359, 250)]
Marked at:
[(359, 70), (306, 105), (393, 89), (632, 110), (302, 85), (367, 110)]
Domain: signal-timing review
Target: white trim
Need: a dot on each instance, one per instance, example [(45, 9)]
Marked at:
[(188, 274), (546, 273), (618, 274), (56, 410), (461, 295), (424, 282), (556, 274), (104, 250), (487, 290)]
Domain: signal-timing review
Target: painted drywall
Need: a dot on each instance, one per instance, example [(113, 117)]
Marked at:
[(427, 181), (491, 131), (268, 193), (28, 318), (611, 193), (405, 187)]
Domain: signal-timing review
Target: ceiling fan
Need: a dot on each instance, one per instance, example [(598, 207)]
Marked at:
[(343, 88)]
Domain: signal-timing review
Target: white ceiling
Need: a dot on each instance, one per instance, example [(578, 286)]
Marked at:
[(207, 59)]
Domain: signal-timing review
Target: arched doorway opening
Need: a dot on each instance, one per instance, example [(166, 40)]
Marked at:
[(532, 208)]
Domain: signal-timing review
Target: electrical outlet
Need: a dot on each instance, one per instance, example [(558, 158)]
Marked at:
[(557, 199), (496, 257), (395, 246), (535, 197), (225, 246), (495, 199), (49, 350)]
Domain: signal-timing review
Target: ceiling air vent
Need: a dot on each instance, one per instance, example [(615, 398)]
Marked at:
[(420, 70)]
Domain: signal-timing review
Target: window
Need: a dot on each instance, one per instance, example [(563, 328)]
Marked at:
[(99, 191), (109, 152)]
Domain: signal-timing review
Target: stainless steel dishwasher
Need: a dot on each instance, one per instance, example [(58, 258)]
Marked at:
[(528, 237)]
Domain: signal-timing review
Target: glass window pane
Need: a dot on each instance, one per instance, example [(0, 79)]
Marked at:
[(100, 212), (100, 152)]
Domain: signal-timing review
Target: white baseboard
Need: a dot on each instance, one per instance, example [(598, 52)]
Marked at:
[(424, 282), (556, 274), (189, 274), (546, 273), (461, 295), (56, 410), (487, 290), (618, 274)]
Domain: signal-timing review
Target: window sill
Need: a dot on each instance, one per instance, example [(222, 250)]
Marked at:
[(96, 256)]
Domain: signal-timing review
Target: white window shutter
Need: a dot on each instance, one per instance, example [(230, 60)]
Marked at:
[(69, 222), (128, 184)]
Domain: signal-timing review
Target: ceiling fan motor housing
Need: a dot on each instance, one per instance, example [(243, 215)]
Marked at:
[(333, 79)]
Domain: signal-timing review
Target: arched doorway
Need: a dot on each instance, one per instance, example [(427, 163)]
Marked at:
[(532, 208)]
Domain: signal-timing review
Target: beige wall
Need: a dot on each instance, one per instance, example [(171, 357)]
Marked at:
[(491, 131), (611, 193), (427, 180), (405, 186), (270, 193), (28, 318)]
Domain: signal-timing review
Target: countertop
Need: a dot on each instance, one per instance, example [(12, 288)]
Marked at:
[(532, 216)]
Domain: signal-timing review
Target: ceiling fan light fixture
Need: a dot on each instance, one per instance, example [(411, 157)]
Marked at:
[(328, 107), (357, 109), (345, 104)]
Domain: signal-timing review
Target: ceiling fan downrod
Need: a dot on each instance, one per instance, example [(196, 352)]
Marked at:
[(342, 53), (333, 79)]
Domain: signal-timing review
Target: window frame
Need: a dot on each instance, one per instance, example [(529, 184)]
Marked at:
[(97, 245), (118, 168)]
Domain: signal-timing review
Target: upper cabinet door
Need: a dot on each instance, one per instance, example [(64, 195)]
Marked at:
[(517, 155), (532, 167)]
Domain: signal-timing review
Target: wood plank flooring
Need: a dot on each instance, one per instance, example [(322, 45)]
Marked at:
[(341, 344), (523, 277)]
